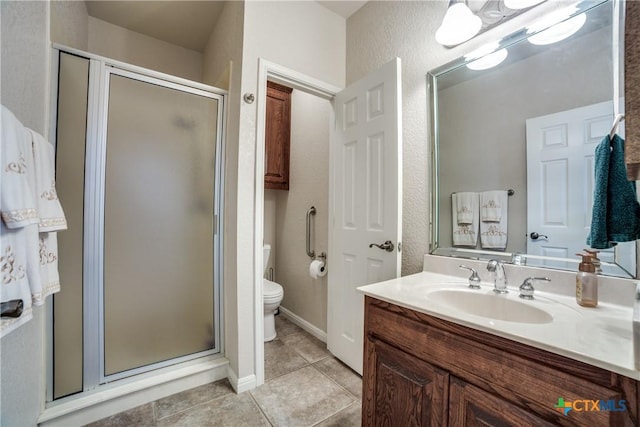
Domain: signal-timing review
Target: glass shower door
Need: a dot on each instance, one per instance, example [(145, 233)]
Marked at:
[(158, 291)]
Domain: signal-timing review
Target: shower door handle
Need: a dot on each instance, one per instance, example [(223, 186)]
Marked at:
[(387, 246)]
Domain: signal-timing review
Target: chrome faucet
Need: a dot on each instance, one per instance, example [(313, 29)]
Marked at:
[(500, 276), (474, 279), (526, 289)]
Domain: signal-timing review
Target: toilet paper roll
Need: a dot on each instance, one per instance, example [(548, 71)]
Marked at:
[(317, 269)]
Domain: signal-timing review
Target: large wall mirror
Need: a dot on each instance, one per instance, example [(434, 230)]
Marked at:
[(529, 124)]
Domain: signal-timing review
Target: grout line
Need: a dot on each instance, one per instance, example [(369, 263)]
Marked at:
[(154, 408), (264, 414), (337, 383), (336, 413)]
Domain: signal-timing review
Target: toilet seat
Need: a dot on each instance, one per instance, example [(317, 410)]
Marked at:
[(272, 291)]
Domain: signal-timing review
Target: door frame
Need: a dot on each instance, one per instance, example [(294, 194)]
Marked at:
[(299, 81)]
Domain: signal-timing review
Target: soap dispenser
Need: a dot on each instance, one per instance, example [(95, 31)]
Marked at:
[(595, 260), (587, 282)]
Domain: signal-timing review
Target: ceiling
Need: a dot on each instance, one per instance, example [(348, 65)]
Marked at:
[(184, 23)]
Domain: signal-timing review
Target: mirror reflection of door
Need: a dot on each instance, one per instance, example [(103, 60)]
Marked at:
[(560, 179)]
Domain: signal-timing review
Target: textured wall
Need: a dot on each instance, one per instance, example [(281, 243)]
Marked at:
[(118, 43), (382, 30), (223, 53), (305, 37), (220, 54), (70, 24), (25, 91), (309, 186)]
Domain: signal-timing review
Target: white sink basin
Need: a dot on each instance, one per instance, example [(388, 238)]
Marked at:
[(492, 306)]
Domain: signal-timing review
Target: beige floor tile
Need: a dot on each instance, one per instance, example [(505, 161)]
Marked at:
[(284, 326), (233, 411), (307, 346), (348, 417), (189, 398), (141, 416), (301, 398), (342, 374), (280, 359)]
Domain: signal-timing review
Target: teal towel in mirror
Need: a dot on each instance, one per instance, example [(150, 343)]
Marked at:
[(616, 212)]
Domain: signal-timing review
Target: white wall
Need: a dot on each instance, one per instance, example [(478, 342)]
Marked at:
[(25, 91), (224, 50), (70, 24), (382, 30), (308, 186), (119, 43), (302, 36)]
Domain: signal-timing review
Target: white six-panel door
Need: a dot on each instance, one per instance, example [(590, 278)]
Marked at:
[(560, 174), (366, 203)]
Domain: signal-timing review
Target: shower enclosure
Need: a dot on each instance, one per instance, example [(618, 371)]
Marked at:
[(139, 173)]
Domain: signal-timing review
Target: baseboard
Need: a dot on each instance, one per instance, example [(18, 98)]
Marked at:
[(240, 385), (123, 395), (313, 330)]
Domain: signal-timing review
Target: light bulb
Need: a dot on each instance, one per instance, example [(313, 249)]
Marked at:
[(488, 61), (559, 31), (459, 25)]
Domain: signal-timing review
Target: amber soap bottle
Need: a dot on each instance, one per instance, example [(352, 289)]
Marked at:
[(587, 282)]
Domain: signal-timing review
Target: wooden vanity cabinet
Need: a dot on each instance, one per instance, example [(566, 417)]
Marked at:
[(423, 371), (277, 136)]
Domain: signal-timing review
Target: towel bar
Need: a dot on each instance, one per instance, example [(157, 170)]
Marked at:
[(510, 192)]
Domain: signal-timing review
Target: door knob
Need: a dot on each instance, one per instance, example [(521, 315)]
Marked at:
[(387, 246), (536, 236)]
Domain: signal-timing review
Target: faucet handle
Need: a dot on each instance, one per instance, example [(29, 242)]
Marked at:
[(526, 289), (474, 279)]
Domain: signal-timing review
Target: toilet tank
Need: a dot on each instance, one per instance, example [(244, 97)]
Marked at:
[(266, 251)]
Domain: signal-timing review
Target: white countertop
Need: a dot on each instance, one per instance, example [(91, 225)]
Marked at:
[(600, 336)]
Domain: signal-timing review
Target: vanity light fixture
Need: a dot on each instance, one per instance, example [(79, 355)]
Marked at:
[(488, 61), (521, 4), (459, 24), (559, 31)]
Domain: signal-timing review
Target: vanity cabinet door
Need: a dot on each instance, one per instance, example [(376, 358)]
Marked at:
[(277, 137), (471, 406), (402, 390)]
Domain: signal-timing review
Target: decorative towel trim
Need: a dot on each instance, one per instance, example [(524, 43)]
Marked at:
[(53, 224), (14, 218), (19, 167), (49, 289), (11, 272), (50, 194), (46, 256)]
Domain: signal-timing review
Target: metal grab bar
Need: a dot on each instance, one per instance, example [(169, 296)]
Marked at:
[(310, 253)]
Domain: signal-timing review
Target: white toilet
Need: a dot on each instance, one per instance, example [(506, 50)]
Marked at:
[(272, 294)]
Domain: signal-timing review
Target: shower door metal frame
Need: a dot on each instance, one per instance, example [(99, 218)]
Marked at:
[(100, 71)]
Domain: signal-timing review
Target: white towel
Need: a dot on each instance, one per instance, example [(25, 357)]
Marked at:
[(18, 204), (49, 209), (15, 284), (49, 276), (491, 203), (464, 234), (42, 266), (466, 202), (31, 212), (493, 234)]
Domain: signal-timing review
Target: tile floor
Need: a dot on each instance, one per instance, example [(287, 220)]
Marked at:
[(304, 386)]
